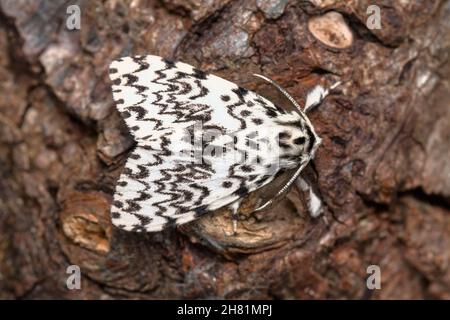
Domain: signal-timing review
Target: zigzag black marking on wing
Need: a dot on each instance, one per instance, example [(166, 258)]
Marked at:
[(242, 190), (161, 183), (133, 203), (158, 94), (204, 193), (141, 61), (174, 90), (184, 111), (194, 174), (240, 92), (131, 80), (203, 90), (142, 175), (187, 173), (144, 194)]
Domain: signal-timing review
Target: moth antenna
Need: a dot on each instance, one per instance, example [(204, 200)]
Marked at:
[(284, 92), (317, 94), (314, 97), (282, 190)]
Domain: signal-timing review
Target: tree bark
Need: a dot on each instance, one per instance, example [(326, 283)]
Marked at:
[(383, 169)]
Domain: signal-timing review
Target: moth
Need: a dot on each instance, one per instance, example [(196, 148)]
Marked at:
[(176, 113)]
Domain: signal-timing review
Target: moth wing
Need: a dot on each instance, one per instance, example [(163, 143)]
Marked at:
[(152, 93), (159, 187)]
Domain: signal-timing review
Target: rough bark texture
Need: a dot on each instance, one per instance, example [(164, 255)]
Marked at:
[(383, 169)]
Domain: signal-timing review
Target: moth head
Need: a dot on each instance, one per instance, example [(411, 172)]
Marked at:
[(314, 140), (298, 142)]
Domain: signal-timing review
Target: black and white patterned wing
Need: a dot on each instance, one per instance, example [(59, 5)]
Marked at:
[(171, 178)]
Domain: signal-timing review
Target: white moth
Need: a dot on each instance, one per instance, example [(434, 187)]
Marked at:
[(203, 142)]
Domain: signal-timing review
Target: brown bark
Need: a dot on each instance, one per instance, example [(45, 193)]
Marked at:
[(383, 169)]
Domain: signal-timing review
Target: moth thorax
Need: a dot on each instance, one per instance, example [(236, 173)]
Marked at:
[(297, 145)]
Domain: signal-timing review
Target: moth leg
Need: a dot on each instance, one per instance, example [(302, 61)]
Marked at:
[(282, 190), (314, 205), (234, 207), (317, 95)]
